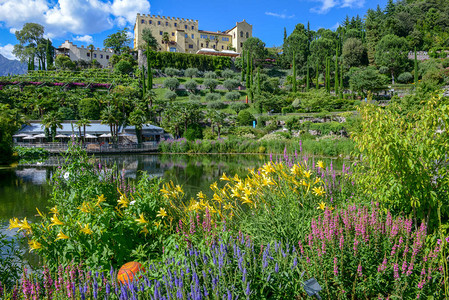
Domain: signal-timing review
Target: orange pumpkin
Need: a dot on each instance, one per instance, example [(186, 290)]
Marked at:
[(128, 271)]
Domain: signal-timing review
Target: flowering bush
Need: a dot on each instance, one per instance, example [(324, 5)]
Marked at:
[(365, 253)]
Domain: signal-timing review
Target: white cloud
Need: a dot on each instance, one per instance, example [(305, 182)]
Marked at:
[(85, 39), (353, 3), (81, 17), (282, 16), (327, 5), (335, 27), (6, 51)]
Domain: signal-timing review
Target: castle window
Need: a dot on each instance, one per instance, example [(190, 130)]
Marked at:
[(241, 33), (101, 55), (186, 35), (193, 36), (204, 36), (88, 54), (191, 46), (241, 44), (213, 46), (166, 23), (158, 22), (212, 37), (201, 45), (160, 32), (150, 22), (185, 26), (193, 27), (247, 35), (176, 24), (142, 21), (172, 34), (107, 56), (95, 55), (222, 47)]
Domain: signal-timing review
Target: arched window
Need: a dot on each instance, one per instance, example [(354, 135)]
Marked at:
[(241, 33), (247, 35)]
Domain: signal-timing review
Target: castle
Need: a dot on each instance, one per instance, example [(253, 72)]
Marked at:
[(184, 35), (76, 53)]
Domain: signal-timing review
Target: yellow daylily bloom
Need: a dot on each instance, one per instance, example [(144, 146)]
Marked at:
[(85, 207), (86, 230), (228, 206), (162, 213), (296, 170), (319, 191), (320, 164), (201, 195), (317, 180), (307, 173), (54, 210), (61, 236), (157, 224), (14, 223), (214, 186), (100, 199), (25, 225), (224, 177), (39, 212), (34, 245), (141, 219), (145, 231), (321, 206), (123, 201), (178, 189), (55, 221)]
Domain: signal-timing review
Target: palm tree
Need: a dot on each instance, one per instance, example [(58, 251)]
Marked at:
[(207, 42), (52, 121), (216, 41), (166, 39), (110, 116), (91, 50), (83, 123), (138, 118)]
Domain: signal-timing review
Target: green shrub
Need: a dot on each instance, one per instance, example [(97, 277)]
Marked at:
[(405, 77), (191, 72), (210, 97), (171, 72), (171, 83), (238, 106), (211, 84), (216, 105), (170, 95), (231, 84), (193, 97), (193, 132), (27, 153), (210, 75), (232, 96), (123, 67), (228, 73), (191, 85), (245, 118)]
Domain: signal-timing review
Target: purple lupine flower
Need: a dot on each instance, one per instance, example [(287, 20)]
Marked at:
[(276, 268), (248, 291)]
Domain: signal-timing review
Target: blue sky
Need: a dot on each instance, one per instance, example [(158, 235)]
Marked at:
[(91, 21)]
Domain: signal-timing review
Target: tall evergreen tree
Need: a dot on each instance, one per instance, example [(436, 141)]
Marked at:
[(285, 34), (307, 78), (258, 80), (252, 69), (336, 71), (242, 78), (341, 81), (248, 71), (416, 68), (317, 74), (294, 72)]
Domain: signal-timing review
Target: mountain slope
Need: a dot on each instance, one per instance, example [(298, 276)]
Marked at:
[(12, 67)]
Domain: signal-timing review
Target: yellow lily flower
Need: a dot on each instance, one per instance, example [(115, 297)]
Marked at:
[(145, 231), (61, 236), (39, 212), (320, 164), (14, 223), (34, 245), (228, 206), (55, 221), (123, 201), (86, 230), (321, 206), (157, 224), (85, 207), (141, 219), (178, 189), (224, 177), (100, 200), (319, 191), (162, 213), (201, 195), (54, 210), (25, 225), (317, 180), (214, 186), (307, 173)]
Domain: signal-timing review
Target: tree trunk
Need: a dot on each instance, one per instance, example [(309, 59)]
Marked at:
[(392, 77)]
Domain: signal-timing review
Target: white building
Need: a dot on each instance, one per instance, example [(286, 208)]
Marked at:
[(81, 53)]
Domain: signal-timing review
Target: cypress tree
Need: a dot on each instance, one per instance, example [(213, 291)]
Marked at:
[(144, 90), (49, 54), (285, 34), (307, 78), (32, 66), (40, 68), (326, 74), (258, 80), (150, 72), (248, 72), (336, 71), (29, 64), (243, 67), (341, 81), (294, 72), (252, 67), (416, 68), (317, 83)]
